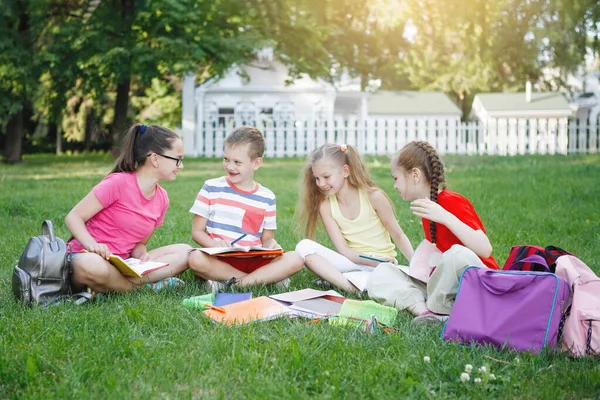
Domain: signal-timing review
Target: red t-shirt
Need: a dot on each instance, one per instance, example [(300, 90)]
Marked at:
[(464, 211)]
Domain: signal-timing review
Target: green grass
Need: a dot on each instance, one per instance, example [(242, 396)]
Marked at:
[(148, 345)]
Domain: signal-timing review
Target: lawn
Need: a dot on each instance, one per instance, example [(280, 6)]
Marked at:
[(147, 345)]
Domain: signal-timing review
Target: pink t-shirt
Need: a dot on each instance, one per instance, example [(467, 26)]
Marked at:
[(127, 217)]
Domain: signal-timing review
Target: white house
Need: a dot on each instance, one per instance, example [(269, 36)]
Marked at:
[(262, 93), (517, 122), (491, 106), (396, 104)]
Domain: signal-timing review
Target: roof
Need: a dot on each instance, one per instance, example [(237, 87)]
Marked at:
[(404, 102), (517, 102)]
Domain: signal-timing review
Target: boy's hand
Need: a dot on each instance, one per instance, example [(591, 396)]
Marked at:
[(272, 245), (221, 243)]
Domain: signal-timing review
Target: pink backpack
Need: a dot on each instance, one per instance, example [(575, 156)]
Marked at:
[(581, 332)]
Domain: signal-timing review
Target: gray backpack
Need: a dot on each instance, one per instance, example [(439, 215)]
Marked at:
[(43, 274)]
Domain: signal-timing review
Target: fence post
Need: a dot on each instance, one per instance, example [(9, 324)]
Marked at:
[(464, 138), (552, 135), (533, 136), (512, 141), (521, 135), (502, 136), (562, 135), (593, 142), (451, 135), (582, 136)]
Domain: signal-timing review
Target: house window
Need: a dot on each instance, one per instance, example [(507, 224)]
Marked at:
[(226, 116), (284, 112), (245, 112)]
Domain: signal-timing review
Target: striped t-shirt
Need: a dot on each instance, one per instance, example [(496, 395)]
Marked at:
[(232, 212)]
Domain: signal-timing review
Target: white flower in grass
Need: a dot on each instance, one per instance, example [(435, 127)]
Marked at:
[(468, 368), (477, 380), (426, 359), (517, 360), (482, 369), (464, 377), (492, 377)]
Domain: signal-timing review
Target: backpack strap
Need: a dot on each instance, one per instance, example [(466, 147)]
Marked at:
[(533, 259)]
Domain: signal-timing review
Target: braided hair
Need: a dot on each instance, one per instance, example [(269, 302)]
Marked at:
[(422, 155)]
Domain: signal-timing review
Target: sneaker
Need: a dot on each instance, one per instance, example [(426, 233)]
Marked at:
[(283, 284), (429, 318), (165, 283), (221, 286), (215, 286), (322, 283)]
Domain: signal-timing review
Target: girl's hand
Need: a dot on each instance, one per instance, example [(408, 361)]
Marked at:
[(391, 260), (430, 210), (144, 257), (101, 249)]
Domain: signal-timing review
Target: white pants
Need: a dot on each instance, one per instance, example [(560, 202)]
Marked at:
[(307, 247), (390, 286)]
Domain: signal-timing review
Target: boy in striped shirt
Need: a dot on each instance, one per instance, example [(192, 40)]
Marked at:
[(234, 205)]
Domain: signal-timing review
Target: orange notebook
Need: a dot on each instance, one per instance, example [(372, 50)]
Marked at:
[(242, 251), (257, 309)]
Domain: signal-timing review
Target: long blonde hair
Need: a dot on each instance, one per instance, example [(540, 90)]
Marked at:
[(311, 196)]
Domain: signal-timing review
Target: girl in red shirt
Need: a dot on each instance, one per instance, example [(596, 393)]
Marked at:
[(449, 221)]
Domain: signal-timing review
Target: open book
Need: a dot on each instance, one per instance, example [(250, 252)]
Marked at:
[(134, 266), (358, 278), (241, 251), (425, 258)]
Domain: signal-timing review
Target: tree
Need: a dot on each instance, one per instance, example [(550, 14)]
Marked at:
[(17, 72)]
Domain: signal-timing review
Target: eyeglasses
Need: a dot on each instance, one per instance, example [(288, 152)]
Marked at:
[(179, 160)]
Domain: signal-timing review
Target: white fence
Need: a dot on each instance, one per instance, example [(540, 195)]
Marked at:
[(386, 136)]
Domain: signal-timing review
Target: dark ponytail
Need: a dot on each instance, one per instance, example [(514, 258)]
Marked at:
[(140, 141), (422, 155)]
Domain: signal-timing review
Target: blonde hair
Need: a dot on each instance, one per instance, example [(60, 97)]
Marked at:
[(423, 156), (311, 196), (247, 135)]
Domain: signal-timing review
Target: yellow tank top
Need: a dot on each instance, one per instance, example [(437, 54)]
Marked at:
[(366, 233)]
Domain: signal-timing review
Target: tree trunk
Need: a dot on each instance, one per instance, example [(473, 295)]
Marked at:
[(120, 123), (363, 81), (59, 138), (87, 140), (14, 139)]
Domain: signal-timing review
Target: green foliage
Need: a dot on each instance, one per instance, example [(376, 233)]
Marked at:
[(66, 60), (147, 345), (159, 104)]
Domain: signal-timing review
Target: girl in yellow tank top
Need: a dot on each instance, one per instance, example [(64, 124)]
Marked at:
[(358, 218)]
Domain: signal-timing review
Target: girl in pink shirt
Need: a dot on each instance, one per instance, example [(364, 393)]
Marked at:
[(121, 213)]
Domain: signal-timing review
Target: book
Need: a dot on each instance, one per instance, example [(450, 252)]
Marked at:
[(134, 266), (306, 294), (358, 278), (425, 258), (223, 299), (241, 251), (258, 309), (315, 308)]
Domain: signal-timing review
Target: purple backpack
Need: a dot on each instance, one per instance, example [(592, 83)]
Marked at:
[(519, 310)]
